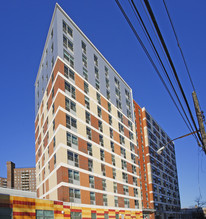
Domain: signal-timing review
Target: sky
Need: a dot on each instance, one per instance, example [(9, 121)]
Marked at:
[(24, 26)]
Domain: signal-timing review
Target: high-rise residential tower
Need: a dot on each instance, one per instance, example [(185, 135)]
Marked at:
[(86, 153), (158, 172)]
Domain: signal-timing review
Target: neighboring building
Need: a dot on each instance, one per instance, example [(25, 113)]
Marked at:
[(84, 126), (159, 185), (25, 179), (19, 178), (3, 182)]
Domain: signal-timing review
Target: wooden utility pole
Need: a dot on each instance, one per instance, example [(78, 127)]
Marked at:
[(200, 120)]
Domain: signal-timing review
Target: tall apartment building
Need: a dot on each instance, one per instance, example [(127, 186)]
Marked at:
[(3, 182), (158, 172), (19, 178), (86, 153)]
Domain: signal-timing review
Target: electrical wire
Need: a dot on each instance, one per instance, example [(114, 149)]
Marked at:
[(171, 63), (148, 55), (178, 44), (140, 20)]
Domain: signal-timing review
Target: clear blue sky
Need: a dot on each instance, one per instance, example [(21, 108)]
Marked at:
[(24, 25)]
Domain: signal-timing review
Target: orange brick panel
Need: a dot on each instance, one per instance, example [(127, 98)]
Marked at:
[(117, 149), (80, 97), (129, 167), (130, 179), (99, 198), (83, 162), (105, 116), (85, 197), (94, 122), (58, 67), (120, 188), (131, 203), (63, 193), (121, 202), (109, 172), (104, 103), (82, 145), (60, 119), (62, 175), (116, 136), (98, 183), (95, 136), (79, 82), (108, 157), (131, 191), (59, 101), (84, 179)]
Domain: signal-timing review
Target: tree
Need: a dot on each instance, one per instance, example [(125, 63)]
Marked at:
[(199, 202)]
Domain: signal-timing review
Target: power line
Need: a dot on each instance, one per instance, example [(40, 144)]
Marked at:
[(178, 43), (149, 57), (171, 63), (138, 16)]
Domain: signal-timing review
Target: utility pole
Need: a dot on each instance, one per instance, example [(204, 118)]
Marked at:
[(200, 120)]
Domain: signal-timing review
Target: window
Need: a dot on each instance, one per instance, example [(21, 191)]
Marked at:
[(136, 203), (86, 87), (87, 104), (130, 125), (118, 104), (104, 186), (68, 73), (70, 90), (67, 43), (117, 84), (74, 195), (53, 125), (104, 199), (72, 140), (55, 160), (107, 83), (134, 181), (133, 158), (121, 128), (110, 120), (88, 117), (69, 58), (54, 142), (52, 33), (85, 74), (126, 202), (99, 111), (91, 181), (135, 192), (108, 94), (116, 204), (126, 190), (131, 137), (98, 98), (84, 60), (115, 187), (109, 107), (90, 165), (96, 72), (71, 122), (67, 29), (44, 214), (101, 140), (100, 126), (97, 86), (125, 177), (134, 171), (121, 140), (112, 146), (73, 176), (70, 105), (52, 47), (89, 149), (73, 159), (89, 133), (111, 132), (95, 60), (101, 154), (103, 169), (123, 152), (113, 160), (93, 216), (124, 164), (120, 116), (132, 147), (92, 198), (84, 47)]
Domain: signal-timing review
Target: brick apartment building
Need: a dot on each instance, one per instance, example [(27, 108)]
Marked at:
[(19, 178), (94, 146)]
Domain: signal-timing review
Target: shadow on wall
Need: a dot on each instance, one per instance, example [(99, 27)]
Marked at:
[(5, 207)]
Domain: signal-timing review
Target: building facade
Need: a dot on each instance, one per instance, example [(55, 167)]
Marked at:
[(19, 178), (159, 182), (86, 152)]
